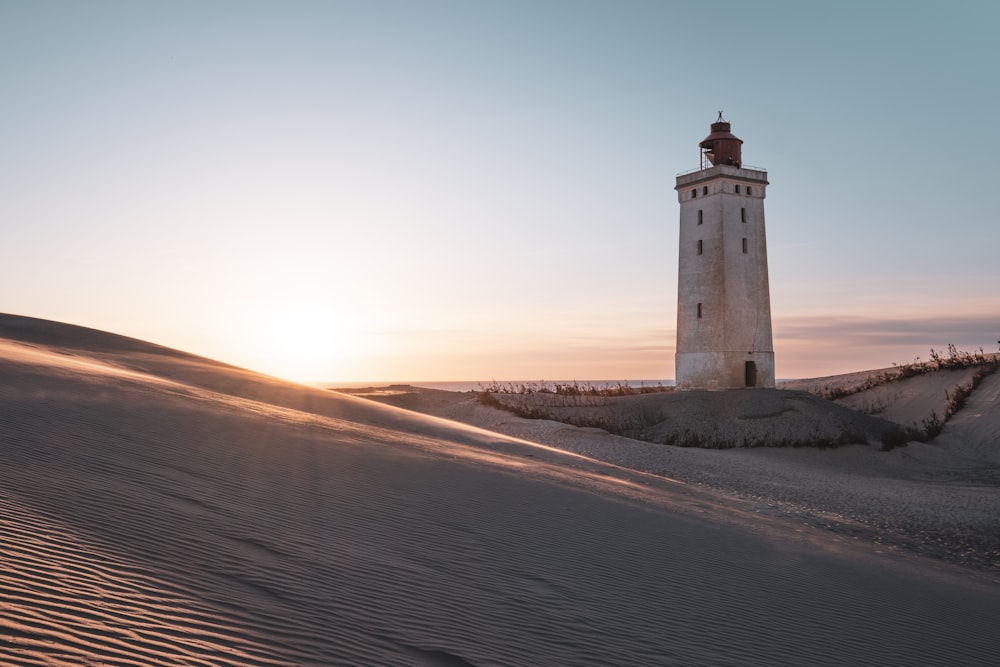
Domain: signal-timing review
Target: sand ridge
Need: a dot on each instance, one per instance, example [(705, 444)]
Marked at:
[(210, 515)]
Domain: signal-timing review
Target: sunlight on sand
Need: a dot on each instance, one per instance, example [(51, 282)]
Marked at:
[(161, 508)]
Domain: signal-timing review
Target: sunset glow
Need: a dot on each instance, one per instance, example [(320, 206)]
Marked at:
[(444, 191), (291, 339)]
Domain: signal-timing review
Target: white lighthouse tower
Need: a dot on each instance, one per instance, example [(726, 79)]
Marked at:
[(723, 299)]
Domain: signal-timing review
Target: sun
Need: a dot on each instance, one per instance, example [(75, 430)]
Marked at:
[(303, 341)]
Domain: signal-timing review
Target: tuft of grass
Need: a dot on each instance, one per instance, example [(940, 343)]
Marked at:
[(930, 428)]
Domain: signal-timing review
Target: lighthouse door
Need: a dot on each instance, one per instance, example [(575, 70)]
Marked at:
[(750, 373)]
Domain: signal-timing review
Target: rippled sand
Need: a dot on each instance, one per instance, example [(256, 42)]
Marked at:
[(158, 508)]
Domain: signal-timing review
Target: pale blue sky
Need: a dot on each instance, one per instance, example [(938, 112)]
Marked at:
[(474, 190)]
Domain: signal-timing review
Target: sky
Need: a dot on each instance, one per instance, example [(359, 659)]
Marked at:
[(454, 190)]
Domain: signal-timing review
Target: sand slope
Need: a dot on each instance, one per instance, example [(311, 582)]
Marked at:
[(157, 508), (909, 402), (940, 498)]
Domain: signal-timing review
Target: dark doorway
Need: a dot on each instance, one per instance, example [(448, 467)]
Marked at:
[(750, 373)]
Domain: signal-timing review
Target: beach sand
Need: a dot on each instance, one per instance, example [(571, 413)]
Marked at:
[(161, 508)]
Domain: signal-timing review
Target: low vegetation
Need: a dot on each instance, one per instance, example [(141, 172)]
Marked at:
[(955, 400), (591, 405), (954, 360), (716, 420), (551, 405), (620, 388)]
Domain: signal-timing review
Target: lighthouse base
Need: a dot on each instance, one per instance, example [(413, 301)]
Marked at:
[(724, 370)]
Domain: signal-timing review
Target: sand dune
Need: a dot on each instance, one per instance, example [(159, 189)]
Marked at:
[(159, 508), (940, 498)]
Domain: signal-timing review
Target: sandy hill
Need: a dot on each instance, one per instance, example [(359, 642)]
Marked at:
[(714, 419), (160, 508)]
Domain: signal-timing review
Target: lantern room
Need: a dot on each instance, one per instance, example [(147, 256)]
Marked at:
[(722, 146)]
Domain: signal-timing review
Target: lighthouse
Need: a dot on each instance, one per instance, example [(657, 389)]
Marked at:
[(723, 298)]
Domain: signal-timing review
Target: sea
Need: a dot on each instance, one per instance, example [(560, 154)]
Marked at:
[(481, 385)]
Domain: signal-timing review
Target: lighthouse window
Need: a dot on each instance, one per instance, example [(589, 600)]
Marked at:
[(749, 192), (737, 189), (700, 220), (704, 190), (694, 193), (744, 245), (700, 246), (743, 215), (699, 311)]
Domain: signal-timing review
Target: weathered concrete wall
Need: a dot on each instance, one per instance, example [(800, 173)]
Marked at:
[(723, 300), (723, 370)]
